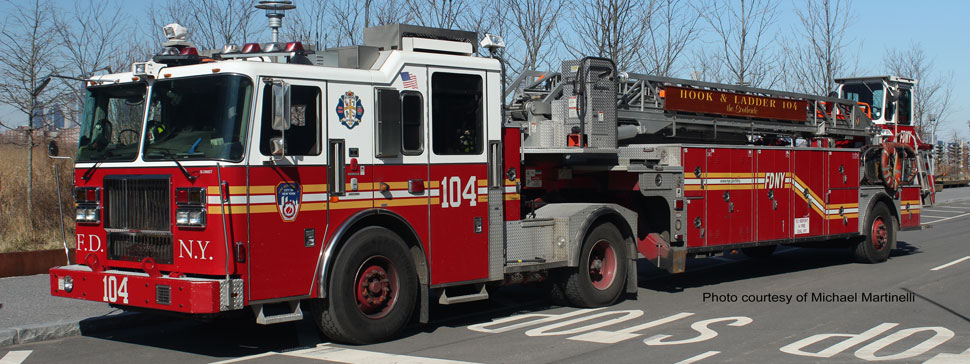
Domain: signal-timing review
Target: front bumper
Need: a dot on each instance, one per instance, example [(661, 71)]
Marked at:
[(181, 294)]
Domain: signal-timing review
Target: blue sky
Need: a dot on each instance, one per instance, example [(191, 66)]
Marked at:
[(938, 26)]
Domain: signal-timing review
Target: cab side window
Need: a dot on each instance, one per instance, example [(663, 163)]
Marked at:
[(412, 123), (303, 137), (456, 114)]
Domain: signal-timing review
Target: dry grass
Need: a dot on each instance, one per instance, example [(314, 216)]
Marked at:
[(18, 231)]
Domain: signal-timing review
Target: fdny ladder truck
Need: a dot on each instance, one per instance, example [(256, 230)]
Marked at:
[(360, 185)]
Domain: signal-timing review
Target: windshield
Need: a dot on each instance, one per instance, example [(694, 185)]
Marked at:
[(198, 118), (870, 93), (111, 123)]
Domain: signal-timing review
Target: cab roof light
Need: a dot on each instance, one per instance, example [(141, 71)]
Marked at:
[(294, 47), (230, 48), (189, 51), (251, 48), (272, 47)]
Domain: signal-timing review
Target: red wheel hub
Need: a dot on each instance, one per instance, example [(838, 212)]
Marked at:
[(602, 265), (376, 287), (880, 233)]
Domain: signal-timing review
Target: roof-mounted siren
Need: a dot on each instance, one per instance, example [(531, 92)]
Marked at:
[(492, 42), (177, 50), (275, 12)]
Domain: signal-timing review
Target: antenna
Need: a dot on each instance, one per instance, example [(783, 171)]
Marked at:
[(274, 11)]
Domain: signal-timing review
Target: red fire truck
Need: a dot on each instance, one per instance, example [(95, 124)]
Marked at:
[(362, 184)]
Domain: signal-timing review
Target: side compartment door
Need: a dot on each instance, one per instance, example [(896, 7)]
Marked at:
[(695, 165), (842, 210), (458, 174), (809, 189), (287, 197), (773, 195)]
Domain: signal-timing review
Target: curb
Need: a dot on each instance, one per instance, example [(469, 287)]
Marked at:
[(62, 329)]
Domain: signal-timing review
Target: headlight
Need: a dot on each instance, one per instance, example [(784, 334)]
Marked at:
[(195, 217), (68, 284), (181, 217)]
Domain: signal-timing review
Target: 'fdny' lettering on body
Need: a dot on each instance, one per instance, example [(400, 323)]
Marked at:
[(774, 180)]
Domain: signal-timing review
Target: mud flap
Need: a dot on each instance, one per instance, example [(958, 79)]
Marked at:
[(659, 252)]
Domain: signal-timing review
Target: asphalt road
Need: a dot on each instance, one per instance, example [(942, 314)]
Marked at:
[(705, 316)]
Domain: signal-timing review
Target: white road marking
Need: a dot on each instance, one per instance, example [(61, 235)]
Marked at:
[(952, 263), (946, 208), (699, 357), (952, 217), (352, 356), (15, 357), (944, 358), (937, 217)]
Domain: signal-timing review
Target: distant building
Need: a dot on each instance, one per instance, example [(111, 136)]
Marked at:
[(51, 117)]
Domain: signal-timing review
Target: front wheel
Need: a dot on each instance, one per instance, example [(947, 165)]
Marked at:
[(372, 290), (880, 234), (602, 271)]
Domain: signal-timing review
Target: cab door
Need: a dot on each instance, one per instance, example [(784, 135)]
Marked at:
[(401, 165), (286, 197), (458, 175)]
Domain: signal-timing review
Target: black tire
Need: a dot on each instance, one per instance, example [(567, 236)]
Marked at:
[(601, 275), (879, 236), (381, 257), (759, 252)]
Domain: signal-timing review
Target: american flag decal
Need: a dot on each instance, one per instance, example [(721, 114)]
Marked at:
[(410, 80)]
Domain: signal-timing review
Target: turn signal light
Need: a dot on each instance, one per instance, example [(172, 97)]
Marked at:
[(190, 206)]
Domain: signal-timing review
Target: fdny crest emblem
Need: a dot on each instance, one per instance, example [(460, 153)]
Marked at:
[(349, 109), (288, 200)]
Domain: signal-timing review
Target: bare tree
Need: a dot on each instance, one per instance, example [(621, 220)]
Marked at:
[(92, 42), (437, 13), (743, 30), (349, 18), (309, 23), (608, 28), (932, 94), (817, 54), (28, 43), (671, 28), (534, 23)]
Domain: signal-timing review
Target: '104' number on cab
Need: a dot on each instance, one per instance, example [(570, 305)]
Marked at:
[(452, 194)]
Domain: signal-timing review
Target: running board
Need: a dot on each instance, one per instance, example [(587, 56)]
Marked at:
[(445, 300), (268, 314)]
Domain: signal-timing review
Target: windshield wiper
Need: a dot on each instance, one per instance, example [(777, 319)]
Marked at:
[(90, 172), (168, 154)]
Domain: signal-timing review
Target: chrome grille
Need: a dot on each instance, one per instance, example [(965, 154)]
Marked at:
[(138, 203), (138, 211), (137, 246)]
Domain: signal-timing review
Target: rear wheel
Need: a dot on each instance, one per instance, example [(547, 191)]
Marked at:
[(372, 290), (880, 234), (601, 275)]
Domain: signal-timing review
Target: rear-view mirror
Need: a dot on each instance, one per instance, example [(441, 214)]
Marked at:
[(281, 105)]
